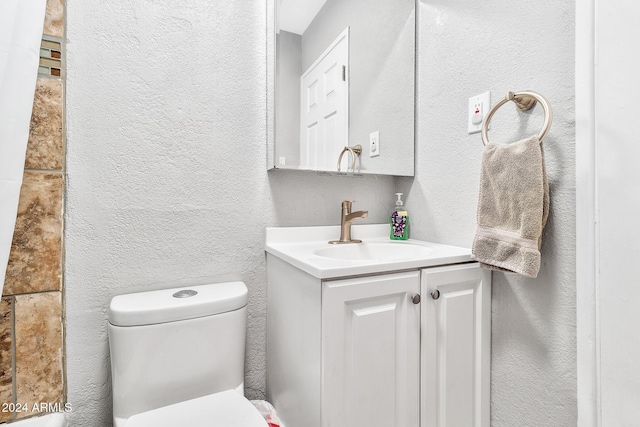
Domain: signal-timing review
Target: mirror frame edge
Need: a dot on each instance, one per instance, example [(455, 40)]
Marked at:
[(270, 45)]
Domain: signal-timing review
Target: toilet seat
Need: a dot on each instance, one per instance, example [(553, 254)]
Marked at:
[(228, 408)]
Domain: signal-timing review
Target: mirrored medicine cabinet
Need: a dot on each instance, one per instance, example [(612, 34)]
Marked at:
[(341, 73)]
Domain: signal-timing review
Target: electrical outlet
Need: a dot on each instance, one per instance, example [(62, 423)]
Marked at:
[(282, 161), (478, 108), (374, 144)]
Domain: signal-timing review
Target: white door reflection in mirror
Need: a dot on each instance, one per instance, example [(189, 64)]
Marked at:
[(324, 105)]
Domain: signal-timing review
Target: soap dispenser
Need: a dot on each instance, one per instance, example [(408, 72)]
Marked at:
[(399, 221)]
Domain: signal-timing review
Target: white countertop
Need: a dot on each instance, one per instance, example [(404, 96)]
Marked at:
[(297, 246)]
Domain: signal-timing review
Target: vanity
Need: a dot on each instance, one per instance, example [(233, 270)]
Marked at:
[(378, 333)]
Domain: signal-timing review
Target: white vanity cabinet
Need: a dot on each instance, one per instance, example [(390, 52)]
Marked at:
[(378, 349), (371, 350)]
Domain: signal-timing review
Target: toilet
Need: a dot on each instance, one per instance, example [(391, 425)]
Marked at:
[(177, 358)]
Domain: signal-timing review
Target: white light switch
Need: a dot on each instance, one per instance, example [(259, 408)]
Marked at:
[(478, 108), (374, 144)]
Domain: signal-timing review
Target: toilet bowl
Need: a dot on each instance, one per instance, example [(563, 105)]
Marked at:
[(177, 358)]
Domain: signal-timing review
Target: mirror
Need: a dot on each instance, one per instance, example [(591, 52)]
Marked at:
[(342, 74)]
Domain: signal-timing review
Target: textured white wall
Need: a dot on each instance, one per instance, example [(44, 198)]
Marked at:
[(166, 164), (167, 182), (466, 48)]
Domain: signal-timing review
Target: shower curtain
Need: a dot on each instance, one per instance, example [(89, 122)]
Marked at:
[(21, 23)]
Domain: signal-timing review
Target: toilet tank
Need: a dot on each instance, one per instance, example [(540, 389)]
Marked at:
[(173, 345)]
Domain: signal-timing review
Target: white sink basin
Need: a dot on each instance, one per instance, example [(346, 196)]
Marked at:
[(307, 248), (375, 251)]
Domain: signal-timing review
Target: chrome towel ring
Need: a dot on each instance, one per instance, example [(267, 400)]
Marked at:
[(524, 101)]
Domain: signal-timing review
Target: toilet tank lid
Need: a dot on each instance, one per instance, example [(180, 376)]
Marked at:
[(170, 305)]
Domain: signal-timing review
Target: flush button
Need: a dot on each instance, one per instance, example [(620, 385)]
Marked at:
[(186, 293)]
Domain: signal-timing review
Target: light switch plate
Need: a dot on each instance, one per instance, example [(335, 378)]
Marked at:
[(374, 144), (479, 106)]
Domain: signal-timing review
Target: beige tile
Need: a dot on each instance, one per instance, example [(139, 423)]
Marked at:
[(6, 366), (54, 18), (38, 338), (44, 150), (36, 251)]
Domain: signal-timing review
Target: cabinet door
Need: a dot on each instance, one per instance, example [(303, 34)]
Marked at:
[(456, 346), (371, 345)]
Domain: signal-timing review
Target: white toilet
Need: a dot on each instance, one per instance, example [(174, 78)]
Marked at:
[(177, 358)]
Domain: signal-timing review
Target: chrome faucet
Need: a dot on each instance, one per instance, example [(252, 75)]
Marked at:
[(345, 224)]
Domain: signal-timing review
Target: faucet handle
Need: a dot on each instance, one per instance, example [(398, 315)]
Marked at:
[(346, 205)]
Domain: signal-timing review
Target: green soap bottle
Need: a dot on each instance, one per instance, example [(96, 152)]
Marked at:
[(399, 221)]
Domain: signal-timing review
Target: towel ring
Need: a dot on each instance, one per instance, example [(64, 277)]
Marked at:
[(525, 101), (355, 151)]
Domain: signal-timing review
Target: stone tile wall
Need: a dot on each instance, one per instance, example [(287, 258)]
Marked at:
[(31, 309)]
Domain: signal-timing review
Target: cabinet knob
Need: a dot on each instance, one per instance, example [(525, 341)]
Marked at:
[(415, 298), (435, 294)]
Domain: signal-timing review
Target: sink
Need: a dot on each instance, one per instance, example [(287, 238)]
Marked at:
[(306, 248), (375, 251)]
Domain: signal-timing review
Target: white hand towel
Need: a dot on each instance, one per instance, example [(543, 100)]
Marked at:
[(513, 207)]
